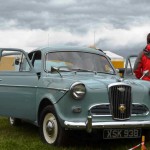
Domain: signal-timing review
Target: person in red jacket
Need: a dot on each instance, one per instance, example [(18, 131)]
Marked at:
[(142, 62)]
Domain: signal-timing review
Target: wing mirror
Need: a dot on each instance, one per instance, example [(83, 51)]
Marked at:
[(17, 61)]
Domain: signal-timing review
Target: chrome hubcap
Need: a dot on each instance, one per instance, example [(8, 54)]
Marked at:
[(50, 128)]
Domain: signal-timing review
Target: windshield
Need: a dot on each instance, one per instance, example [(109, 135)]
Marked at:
[(78, 61)]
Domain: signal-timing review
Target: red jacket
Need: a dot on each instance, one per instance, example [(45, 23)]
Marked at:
[(142, 64)]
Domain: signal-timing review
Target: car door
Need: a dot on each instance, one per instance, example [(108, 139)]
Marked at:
[(18, 84)]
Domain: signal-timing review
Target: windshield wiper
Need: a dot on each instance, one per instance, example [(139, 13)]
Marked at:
[(58, 70), (82, 70)]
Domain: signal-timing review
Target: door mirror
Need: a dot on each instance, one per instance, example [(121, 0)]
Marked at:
[(17, 60)]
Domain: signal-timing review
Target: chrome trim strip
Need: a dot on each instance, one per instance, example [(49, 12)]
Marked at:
[(135, 115), (108, 115), (118, 83), (102, 115), (144, 114), (101, 125), (54, 88), (34, 87), (18, 85), (98, 105)]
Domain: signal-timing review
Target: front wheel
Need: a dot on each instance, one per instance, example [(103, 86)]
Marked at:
[(50, 128)]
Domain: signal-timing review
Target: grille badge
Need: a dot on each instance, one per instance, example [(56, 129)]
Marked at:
[(122, 108), (121, 89)]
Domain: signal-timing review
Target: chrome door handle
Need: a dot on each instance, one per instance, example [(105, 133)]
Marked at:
[(0, 79)]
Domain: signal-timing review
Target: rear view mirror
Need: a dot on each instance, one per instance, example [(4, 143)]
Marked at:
[(17, 60)]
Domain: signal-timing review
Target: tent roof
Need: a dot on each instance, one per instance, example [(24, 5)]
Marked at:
[(113, 55)]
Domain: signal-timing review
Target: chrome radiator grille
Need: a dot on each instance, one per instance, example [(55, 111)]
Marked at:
[(120, 101)]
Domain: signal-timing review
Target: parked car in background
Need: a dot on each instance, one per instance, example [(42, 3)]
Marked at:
[(63, 88)]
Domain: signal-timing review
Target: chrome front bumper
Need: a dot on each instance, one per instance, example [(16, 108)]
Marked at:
[(89, 125)]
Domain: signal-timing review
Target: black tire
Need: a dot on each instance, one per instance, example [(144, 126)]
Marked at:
[(14, 121), (50, 129)]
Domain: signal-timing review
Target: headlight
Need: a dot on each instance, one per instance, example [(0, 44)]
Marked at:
[(78, 90)]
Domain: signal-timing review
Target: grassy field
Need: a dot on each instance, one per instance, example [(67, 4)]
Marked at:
[(26, 137)]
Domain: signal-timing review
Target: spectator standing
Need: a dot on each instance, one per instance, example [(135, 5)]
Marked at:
[(142, 62)]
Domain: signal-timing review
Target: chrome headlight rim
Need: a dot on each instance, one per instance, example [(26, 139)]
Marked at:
[(77, 95)]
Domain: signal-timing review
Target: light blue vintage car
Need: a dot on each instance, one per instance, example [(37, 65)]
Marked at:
[(63, 88)]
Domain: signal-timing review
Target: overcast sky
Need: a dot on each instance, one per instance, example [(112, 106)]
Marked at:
[(120, 26)]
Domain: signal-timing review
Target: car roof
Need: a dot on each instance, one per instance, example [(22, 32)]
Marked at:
[(68, 48)]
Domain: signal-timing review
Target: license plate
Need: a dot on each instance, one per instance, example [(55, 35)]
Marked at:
[(121, 133)]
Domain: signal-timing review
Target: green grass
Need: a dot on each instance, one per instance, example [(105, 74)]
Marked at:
[(26, 137)]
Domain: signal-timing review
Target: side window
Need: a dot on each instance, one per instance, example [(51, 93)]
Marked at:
[(13, 61)]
